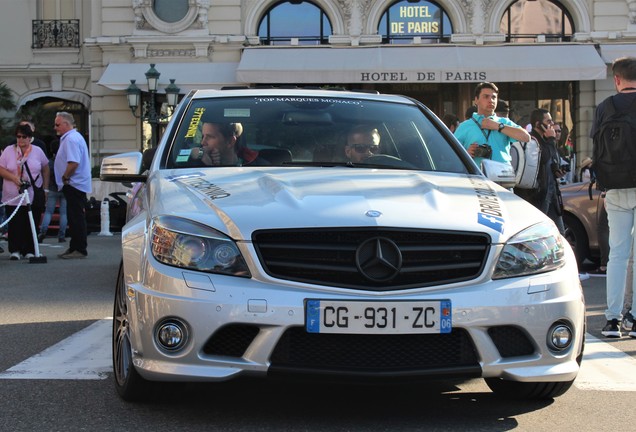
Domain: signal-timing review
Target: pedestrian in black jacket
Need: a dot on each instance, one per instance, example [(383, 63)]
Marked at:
[(547, 196)]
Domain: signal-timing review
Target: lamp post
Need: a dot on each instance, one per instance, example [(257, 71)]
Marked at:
[(149, 112)]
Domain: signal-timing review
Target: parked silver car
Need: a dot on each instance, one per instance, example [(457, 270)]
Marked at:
[(259, 244)]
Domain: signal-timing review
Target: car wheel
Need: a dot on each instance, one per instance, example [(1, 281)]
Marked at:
[(577, 237), (527, 390), (129, 384)]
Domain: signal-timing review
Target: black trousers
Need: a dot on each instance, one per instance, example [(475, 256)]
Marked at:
[(75, 208), (20, 236)]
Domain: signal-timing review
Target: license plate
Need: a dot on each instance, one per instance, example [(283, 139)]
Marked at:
[(375, 317)]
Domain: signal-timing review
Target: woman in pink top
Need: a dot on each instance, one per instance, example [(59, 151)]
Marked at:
[(13, 169)]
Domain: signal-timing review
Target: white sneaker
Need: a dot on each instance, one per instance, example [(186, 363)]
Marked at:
[(29, 256), (628, 321), (14, 256)]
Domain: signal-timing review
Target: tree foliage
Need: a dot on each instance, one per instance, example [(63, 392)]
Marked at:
[(7, 103)]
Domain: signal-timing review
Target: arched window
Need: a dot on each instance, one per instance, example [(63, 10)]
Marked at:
[(298, 22), (532, 20), (406, 20)]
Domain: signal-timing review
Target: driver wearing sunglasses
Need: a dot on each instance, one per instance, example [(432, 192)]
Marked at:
[(363, 141)]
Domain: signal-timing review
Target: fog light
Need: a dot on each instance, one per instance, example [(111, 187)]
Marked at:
[(171, 335), (559, 337)]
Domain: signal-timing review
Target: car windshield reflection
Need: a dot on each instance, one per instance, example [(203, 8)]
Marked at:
[(288, 131)]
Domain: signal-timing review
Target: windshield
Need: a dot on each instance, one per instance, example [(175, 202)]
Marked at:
[(316, 131)]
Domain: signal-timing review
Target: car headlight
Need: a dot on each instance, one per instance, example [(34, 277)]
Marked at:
[(537, 249), (187, 244)]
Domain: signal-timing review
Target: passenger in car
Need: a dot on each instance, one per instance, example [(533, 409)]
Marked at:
[(220, 146), (363, 141)]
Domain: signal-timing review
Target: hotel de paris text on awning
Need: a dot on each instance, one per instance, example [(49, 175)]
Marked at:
[(421, 64)]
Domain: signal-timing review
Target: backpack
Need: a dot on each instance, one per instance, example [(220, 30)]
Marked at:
[(526, 160), (614, 151)]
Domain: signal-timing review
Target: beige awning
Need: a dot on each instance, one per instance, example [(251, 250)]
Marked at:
[(188, 76), (421, 64), (611, 52)]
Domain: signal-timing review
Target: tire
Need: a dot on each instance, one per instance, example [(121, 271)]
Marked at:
[(527, 390), (129, 384), (577, 237)]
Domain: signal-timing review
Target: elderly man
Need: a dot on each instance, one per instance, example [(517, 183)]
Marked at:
[(73, 178)]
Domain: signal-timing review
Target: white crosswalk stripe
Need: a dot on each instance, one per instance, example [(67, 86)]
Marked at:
[(86, 355), (605, 368)]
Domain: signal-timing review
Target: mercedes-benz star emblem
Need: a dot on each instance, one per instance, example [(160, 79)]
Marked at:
[(379, 259)]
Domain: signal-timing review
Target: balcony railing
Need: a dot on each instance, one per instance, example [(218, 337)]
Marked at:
[(533, 38), (56, 34)]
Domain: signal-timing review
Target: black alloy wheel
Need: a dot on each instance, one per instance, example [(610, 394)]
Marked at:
[(129, 384)]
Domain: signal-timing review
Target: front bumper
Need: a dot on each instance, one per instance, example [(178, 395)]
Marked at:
[(236, 327)]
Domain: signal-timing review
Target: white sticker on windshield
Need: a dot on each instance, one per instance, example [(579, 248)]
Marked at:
[(236, 112)]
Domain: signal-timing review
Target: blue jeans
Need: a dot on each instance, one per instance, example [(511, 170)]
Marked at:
[(51, 201), (621, 216)]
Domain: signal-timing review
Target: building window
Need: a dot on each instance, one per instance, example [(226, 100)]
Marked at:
[(56, 26), (294, 23), (171, 16), (407, 21), (56, 9), (537, 20), (170, 11)]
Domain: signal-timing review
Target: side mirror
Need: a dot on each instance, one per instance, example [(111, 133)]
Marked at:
[(500, 172), (122, 167)]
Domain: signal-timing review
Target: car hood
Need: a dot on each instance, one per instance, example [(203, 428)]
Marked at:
[(238, 201)]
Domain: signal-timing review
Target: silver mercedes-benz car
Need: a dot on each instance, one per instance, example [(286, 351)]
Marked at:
[(331, 234)]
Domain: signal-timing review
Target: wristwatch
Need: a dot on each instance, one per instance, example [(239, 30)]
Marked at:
[(501, 126)]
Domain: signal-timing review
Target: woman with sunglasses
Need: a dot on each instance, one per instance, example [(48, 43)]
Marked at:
[(16, 162)]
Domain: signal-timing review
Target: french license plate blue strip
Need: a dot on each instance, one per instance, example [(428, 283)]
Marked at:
[(313, 316), (446, 315)]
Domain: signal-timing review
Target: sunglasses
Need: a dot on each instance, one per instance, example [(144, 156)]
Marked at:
[(365, 148), (22, 137)]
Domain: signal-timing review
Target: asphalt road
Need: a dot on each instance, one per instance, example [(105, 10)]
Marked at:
[(42, 304)]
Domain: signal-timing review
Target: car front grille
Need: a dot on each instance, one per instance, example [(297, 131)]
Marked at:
[(375, 355), (380, 259)]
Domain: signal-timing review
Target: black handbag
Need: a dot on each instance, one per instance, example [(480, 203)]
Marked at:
[(39, 198)]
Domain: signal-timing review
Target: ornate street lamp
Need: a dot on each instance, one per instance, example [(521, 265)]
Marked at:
[(149, 111)]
